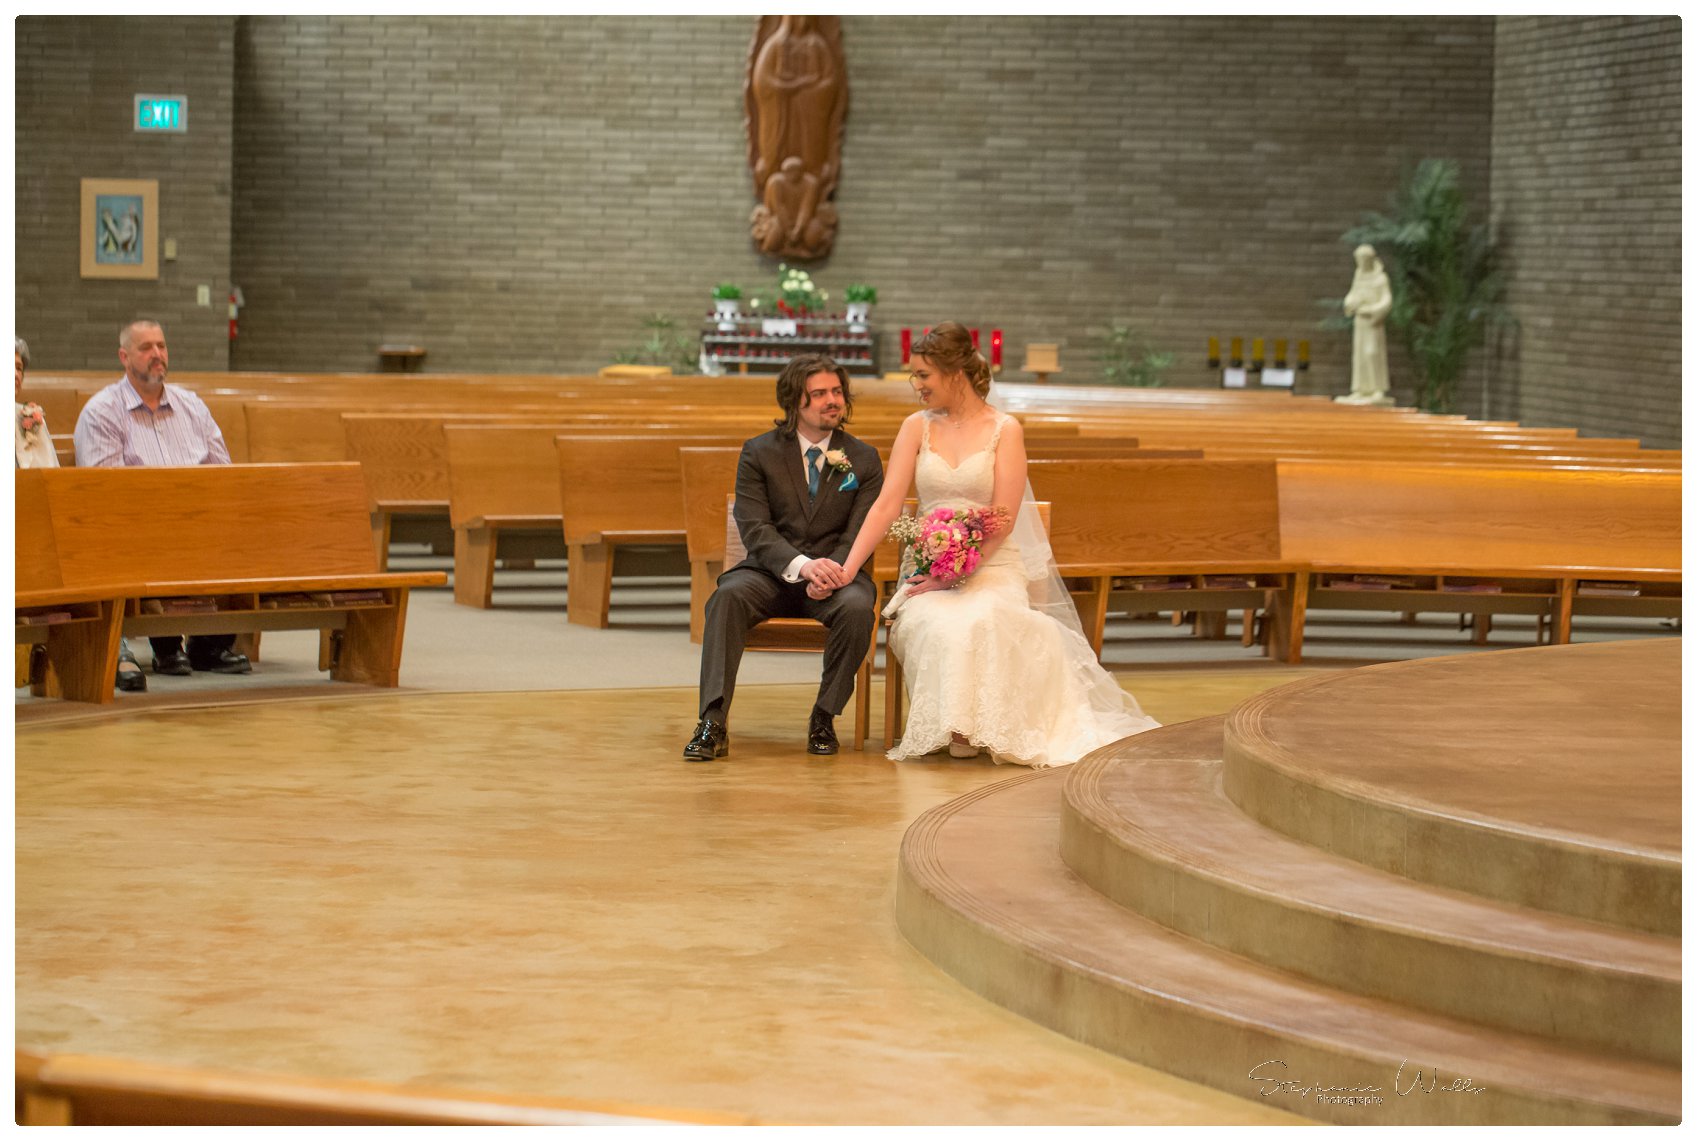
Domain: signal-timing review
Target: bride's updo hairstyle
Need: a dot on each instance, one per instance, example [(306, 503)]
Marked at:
[(949, 347)]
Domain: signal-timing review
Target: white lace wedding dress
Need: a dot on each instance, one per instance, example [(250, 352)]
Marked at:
[(979, 661)]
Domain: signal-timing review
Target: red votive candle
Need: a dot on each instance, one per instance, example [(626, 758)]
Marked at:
[(907, 344), (995, 348), (975, 338)]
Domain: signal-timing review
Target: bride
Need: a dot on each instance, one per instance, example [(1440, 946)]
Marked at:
[(997, 661)]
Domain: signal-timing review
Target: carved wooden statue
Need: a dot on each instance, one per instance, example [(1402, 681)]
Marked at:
[(796, 95)]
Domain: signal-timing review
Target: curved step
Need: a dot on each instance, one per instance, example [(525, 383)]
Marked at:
[(1546, 777), (1146, 824), (983, 893)]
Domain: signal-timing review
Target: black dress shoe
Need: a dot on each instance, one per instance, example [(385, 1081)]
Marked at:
[(710, 741), (175, 664), (227, 662), (821, 736)]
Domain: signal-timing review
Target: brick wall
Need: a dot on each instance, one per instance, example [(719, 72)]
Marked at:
[(77, 79), (517, 193), (1586, 198)]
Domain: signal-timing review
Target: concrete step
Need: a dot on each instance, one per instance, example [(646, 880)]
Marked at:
[(1146, 823), (983, 892), (1546, 777)]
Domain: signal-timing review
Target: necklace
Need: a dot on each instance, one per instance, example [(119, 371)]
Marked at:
[(964, 420)]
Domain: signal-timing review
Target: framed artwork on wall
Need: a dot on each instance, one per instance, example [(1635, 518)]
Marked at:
[(120, 228)]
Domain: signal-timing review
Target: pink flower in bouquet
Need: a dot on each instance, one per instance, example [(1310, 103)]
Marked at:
[(947, 544)]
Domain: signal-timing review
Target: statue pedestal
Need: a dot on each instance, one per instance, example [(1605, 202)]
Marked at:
[(1381, 400)]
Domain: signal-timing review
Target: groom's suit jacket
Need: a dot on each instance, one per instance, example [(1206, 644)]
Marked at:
[(777, 518)]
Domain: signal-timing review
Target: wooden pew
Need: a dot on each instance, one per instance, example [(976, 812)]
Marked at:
[(1444, 530), (617, 491), (505, 479), (95, 543), (1179, 521), (77, 1089)]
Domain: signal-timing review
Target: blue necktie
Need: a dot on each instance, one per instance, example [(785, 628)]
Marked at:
[(813, 455)]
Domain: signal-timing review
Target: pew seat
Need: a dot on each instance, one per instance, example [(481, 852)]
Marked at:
[(108, 552)]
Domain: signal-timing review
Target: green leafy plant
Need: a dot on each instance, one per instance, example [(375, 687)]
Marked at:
[(726, 291), (663, 343), (861, 293), (1445, 283), (1126, 358)]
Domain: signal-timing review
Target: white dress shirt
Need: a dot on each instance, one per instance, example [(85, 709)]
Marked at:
[(792, 573)]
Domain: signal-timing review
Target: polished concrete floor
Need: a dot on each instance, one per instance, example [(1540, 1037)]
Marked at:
[(531, 893)]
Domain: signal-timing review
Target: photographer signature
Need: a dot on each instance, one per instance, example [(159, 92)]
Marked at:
[(1274, 1079)]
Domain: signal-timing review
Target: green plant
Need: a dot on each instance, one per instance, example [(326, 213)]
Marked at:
[(1127, 359), (861, 293), (725, 291), (1445, 285), (663, 344)]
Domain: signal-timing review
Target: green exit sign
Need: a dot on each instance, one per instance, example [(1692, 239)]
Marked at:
[(162, 113)]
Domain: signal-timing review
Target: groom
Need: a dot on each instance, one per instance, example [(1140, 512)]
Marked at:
[(803, 490)]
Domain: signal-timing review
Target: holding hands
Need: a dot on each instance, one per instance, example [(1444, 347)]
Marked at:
[(823, 577)]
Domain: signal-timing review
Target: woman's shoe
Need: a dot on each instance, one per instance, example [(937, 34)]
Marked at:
[(963, 749), (130, 678)]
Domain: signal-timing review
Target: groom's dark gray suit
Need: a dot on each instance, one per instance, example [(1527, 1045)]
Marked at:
[(778, 520)]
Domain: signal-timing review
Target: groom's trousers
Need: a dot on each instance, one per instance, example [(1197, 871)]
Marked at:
[(746, 597)]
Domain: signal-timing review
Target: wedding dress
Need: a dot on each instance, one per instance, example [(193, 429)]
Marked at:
[(981, 662)]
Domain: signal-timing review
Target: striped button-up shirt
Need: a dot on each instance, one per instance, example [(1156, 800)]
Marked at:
[(116, 429)]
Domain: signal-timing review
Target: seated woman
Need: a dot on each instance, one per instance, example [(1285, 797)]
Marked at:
[(998, 660), (35, 449)]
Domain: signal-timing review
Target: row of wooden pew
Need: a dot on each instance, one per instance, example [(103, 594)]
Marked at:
[(1318, 501)]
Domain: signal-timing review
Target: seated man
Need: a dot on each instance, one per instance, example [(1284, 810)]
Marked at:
[(140, 421), (803, 490)]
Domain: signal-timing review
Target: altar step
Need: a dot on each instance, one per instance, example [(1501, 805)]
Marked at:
[(1147, 824), (1547, 777), (983, 891)]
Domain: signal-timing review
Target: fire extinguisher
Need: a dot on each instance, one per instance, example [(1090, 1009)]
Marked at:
[(236, 302)]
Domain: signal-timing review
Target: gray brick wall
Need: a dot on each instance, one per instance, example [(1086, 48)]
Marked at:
[(1586, 198), (77, 78), (516, 193)]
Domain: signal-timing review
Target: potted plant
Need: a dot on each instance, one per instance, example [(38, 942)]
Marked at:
[(1127, 359), (1445, 286), (725, 298), (797, 294), (861, 298)]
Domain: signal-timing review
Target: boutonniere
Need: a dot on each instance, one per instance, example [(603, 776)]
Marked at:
[(31, 419), (837, 460)]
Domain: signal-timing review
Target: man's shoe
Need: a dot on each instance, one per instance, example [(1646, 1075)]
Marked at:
[(227, 662), (176, 664), (821, 736), (710, 741)]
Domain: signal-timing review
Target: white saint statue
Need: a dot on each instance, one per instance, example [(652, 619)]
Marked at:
[(1368, 302)]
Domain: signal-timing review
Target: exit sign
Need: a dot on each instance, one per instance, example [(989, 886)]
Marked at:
[(162, 113)]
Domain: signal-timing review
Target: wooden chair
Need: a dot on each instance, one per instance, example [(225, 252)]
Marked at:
[(895, 692)]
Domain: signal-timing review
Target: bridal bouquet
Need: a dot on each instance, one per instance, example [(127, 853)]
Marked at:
[(948, 544)]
